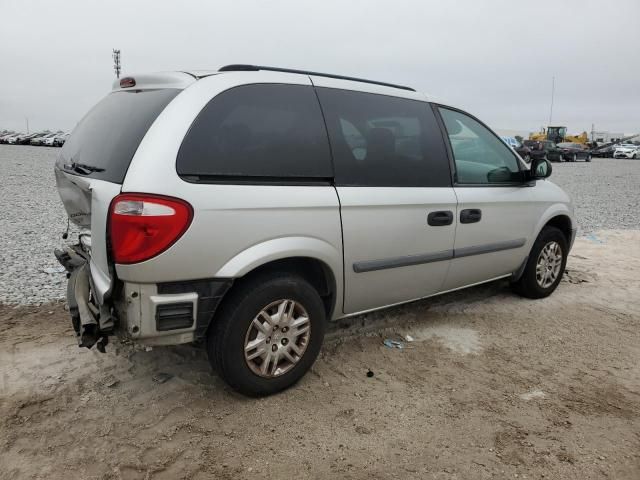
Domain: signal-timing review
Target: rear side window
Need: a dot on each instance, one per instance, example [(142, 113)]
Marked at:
[(272, 131), (379, 140), (106, 139)]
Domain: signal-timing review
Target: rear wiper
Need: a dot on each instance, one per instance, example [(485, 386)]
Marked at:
[(82, 168)]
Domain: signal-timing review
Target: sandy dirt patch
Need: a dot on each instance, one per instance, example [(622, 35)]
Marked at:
[(492, 386)]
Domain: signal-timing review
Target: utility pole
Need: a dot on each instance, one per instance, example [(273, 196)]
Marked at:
[(27, 120), (553, 88), (116, 62)]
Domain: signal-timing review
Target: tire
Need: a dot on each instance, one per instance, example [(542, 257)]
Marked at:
[(233, 328), (529, 285), (527, 158), (574, 158), (588, 158)]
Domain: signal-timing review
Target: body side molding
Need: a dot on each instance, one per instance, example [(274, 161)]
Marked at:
[(406, 261)]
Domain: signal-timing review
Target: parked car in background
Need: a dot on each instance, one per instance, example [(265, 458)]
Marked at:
[(60, 140), (4, 136), (522, 150), (572, 152), (604, 152), (542, 149), (49, 140), (627, 150), (39, 140), (243, 210), (12, 139), (25, 139)]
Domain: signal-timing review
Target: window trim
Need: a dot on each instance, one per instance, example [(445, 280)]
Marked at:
[(452, 162)]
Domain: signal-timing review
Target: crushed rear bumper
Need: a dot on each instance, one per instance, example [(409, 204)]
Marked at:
[(91, 322)]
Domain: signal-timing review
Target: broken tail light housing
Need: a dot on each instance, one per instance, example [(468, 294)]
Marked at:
[(142, 226)]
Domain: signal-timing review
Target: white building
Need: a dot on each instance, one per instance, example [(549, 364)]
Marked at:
[(605, 137)]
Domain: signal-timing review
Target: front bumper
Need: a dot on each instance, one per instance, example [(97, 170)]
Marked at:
[(623, 154)]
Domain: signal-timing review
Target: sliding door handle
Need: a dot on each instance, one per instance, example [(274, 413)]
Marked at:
[(470, 215), (440, 219)]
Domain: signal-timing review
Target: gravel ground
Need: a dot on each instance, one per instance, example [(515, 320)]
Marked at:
[(32, 219), (493, 386), (606, 192)]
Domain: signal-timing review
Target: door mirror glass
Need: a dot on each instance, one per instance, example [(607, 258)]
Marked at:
[(540, 168)]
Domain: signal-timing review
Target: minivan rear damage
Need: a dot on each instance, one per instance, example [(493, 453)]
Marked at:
[(92, 322), (89, 173)]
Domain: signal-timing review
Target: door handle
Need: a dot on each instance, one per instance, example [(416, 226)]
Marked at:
[(470, 215), (440, 219)]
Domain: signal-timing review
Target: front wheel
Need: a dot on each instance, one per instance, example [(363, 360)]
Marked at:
[(267, 334), (545, 265), (527, 158)]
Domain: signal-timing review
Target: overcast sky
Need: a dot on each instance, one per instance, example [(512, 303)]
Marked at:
[(494, 58)]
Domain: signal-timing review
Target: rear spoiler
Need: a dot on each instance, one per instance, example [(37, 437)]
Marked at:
[(154, 81)]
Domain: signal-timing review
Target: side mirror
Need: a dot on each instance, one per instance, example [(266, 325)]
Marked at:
[(540, 168)]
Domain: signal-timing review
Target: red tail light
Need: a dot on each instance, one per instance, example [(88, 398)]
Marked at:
[(142, 226)]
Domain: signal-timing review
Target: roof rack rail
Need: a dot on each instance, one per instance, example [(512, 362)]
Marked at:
[(255, 68)]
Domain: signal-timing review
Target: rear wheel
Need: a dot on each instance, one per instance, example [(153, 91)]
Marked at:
[(545, 265), (268, 333)]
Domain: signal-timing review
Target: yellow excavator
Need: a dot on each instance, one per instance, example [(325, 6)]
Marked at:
[(559, 135)]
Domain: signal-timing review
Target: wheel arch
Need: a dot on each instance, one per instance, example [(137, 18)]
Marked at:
[(316, 260), (558, 215), (563, 223)]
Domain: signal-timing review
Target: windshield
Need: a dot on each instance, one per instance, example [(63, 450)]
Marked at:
[(106, 139)]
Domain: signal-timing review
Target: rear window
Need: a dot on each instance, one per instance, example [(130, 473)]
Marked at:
[(260, 131), (106, 139)]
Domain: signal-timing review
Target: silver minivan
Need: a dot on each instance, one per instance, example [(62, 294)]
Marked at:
[(245, 208)]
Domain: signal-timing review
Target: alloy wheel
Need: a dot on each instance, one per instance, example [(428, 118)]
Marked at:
[(277, 338), (549, 264)]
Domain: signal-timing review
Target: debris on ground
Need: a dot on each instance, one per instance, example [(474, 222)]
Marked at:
[(393, 343), (162, 377), (532, 395)]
